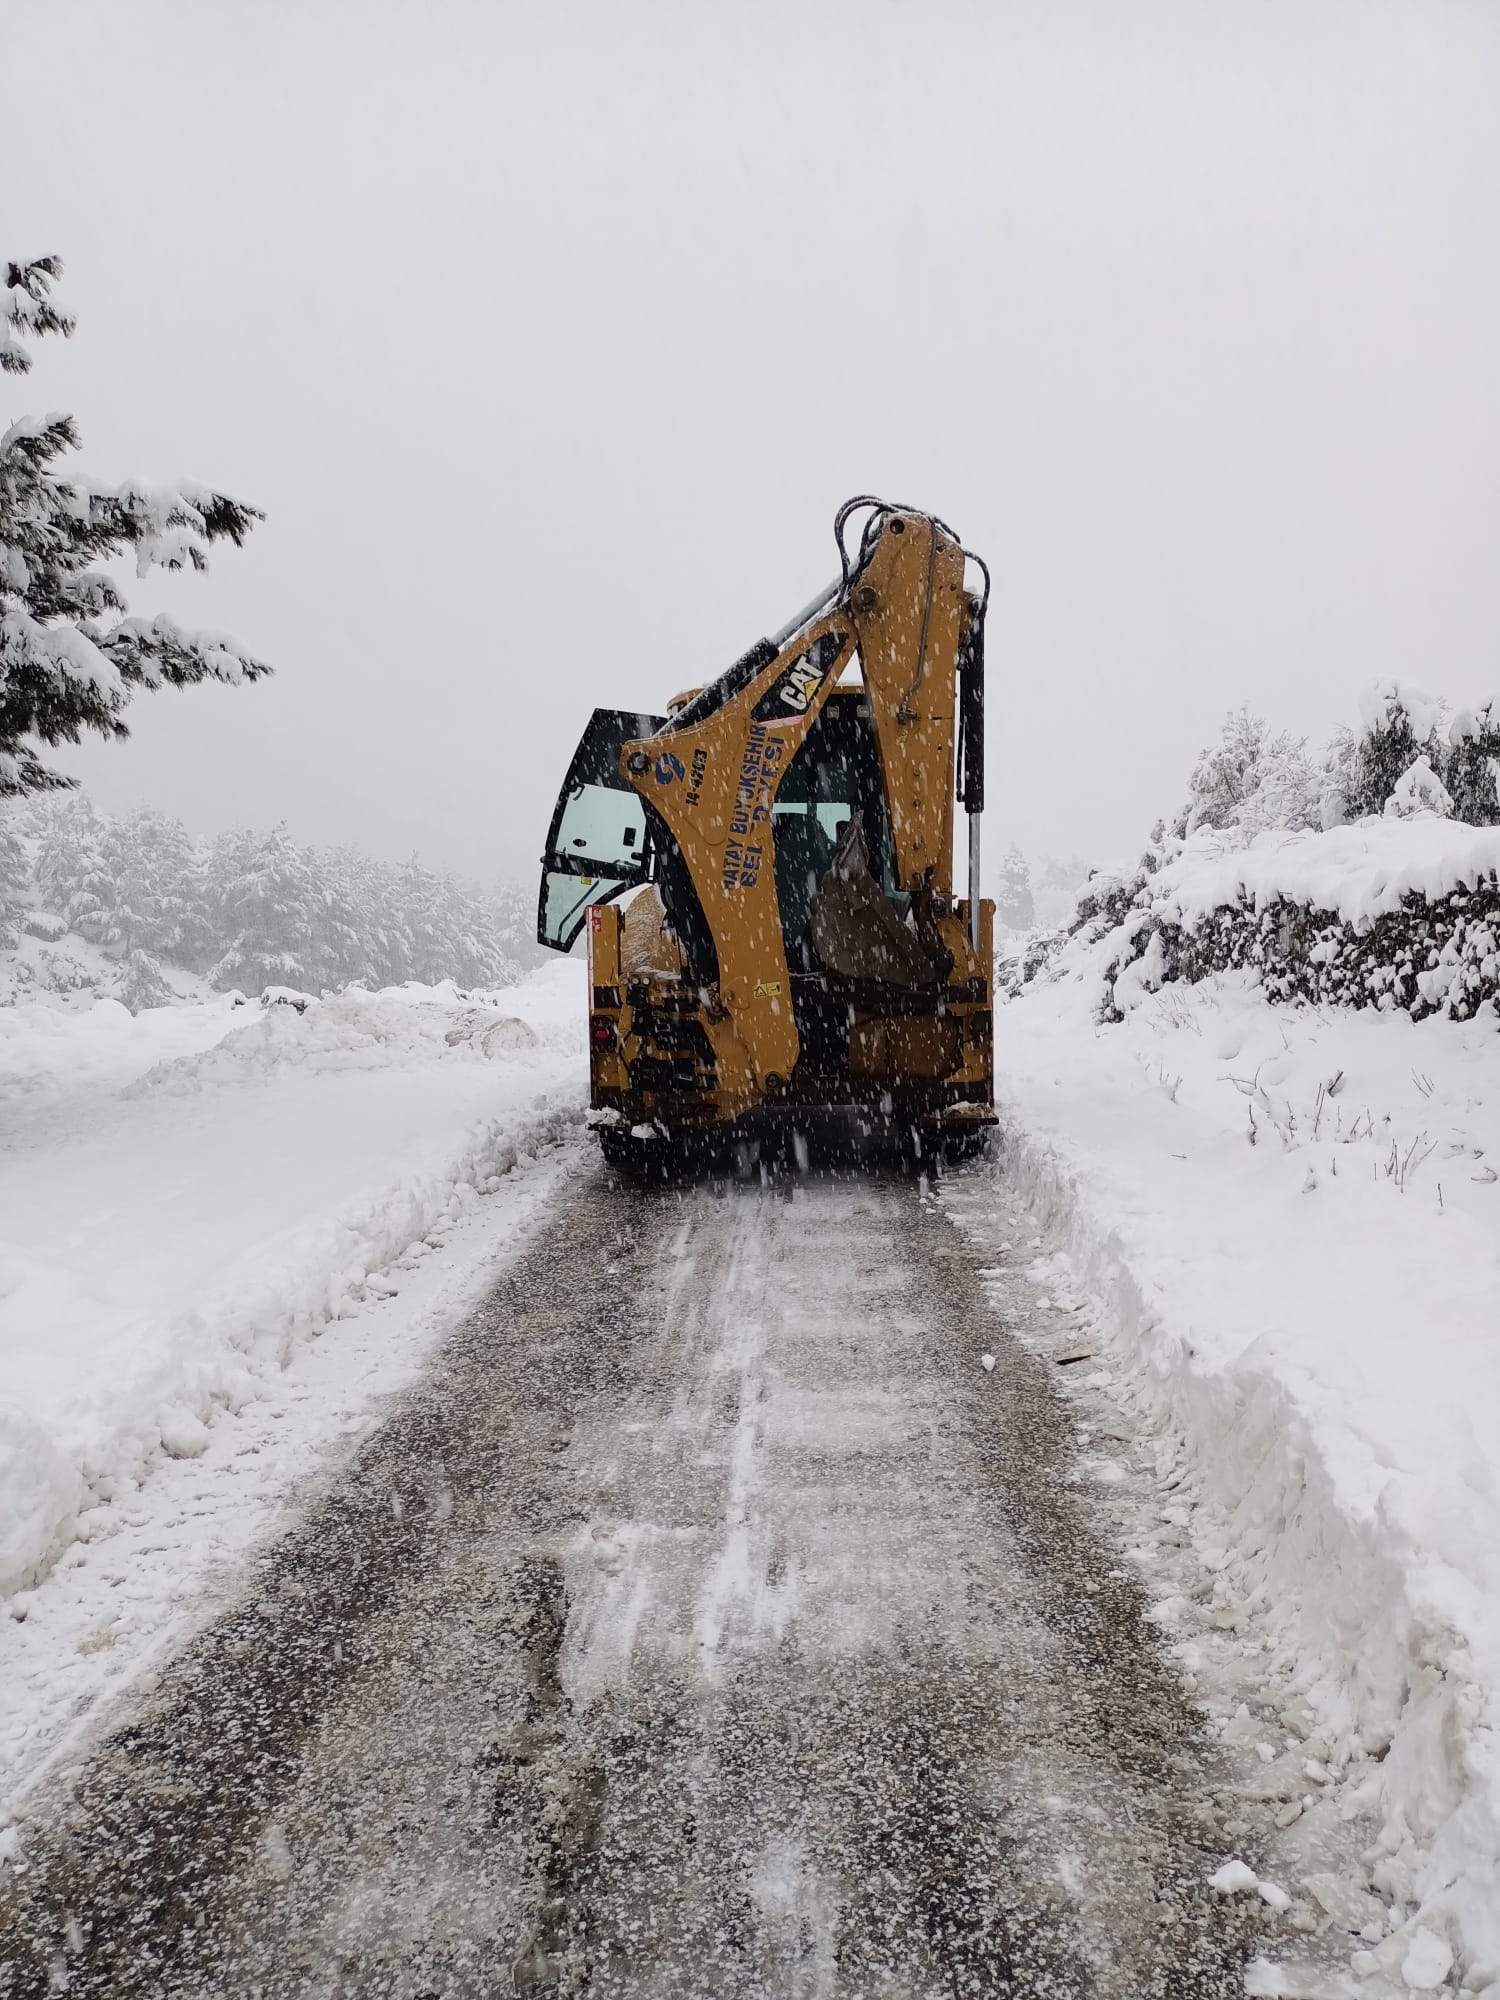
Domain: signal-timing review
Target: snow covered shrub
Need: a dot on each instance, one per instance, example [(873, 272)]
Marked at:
[(1107, 898), (1340, 761), (1399, 725), (1109, 894), (1473, 771), (1287, 796), (68, 662), (1224, 772), (1015, 970), (1252, 780), (1419, 789), (61, 970)]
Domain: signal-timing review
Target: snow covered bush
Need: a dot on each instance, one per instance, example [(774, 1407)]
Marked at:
[(1399, 725), (1419, 789), (1473, 771), (1028, 956), (1253, 780), (70, 660)]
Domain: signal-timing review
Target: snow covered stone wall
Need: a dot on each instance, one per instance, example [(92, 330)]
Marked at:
[(1387, 913)]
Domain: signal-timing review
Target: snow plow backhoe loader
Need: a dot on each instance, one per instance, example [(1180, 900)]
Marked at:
[(793, 964)]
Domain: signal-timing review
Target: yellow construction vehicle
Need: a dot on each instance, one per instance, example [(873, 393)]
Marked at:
[(794, 964)]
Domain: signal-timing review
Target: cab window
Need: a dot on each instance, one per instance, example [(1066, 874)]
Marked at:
[(597, 845)]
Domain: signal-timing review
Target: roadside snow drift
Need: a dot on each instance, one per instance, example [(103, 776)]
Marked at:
[(1288, 1221), (187, 1195)]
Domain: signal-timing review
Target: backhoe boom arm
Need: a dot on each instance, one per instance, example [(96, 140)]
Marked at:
[(713, 773)]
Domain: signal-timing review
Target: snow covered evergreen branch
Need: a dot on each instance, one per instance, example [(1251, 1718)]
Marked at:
[(70, 660), (30, 308)]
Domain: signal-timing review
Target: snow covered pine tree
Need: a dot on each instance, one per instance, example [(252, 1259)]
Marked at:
[(13, 881), (247, 909), (67, 662), (1014, 904)]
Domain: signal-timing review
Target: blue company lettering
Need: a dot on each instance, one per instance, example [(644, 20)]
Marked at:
[(752, 808)]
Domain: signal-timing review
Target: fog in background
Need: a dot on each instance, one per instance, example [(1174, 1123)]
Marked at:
[(550, 336)]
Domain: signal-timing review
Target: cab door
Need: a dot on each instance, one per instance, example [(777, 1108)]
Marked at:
[(597, 844)]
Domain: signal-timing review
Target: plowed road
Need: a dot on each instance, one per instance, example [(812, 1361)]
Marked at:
[(707, 1622)]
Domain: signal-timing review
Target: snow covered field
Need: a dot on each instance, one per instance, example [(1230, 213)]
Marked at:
[(187, 1198), (1284, 1223)]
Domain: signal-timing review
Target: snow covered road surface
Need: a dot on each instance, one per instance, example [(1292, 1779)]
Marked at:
[(707, 1620), (187, 1199), (1284, 1228)]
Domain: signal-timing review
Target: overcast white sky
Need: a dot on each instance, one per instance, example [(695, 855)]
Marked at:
[(550, 336)]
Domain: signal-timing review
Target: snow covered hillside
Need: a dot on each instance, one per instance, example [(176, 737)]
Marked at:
[(1284, 1224), (187, 1197), (135, 908)]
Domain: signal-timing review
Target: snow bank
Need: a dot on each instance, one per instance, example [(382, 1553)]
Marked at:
[(1288, 1220), (41, 1043), (352, 1030), (186, 1196)]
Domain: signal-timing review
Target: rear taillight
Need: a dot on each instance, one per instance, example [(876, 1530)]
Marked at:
[(602, 1033)]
